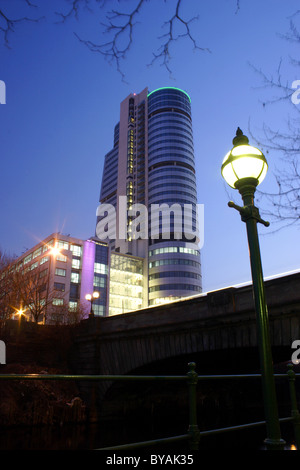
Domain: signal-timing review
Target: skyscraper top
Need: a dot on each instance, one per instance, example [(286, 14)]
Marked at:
[(170, 88)]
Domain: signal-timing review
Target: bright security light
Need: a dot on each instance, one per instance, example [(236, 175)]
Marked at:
[(94, 296), (54, 251), (243, 161)]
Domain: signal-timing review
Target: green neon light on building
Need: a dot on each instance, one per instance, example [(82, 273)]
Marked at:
[(169, 88)]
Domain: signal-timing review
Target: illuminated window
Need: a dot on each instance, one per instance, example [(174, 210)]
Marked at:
[(167, 261), (126, 284), (60, 272), (62, 245), (61, 257), (37, 253), (76, 250), (100, 268), (173, 249), (57, 301), (174, 274), (99, 281), (75, 263), (98, 309), (28, 258), (44, 260), (46, 247), (189, 251), (75, 278), (171, 287)]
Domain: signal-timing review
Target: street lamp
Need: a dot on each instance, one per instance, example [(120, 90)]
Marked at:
[(243, 168), (54, 251), (91, 299), (21, 314)]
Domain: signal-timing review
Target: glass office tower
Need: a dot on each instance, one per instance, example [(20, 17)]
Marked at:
[(152, 166)]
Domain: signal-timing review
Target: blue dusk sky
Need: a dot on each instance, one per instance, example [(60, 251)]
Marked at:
[(63, 101)]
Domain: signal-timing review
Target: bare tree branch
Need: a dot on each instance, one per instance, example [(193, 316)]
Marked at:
[(112, 49), (7, 25), (75, 7), (119, 28), (283, 91), (283, 203), (164, 50)]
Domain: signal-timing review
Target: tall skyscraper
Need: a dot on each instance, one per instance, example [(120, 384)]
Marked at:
[(149, 180)]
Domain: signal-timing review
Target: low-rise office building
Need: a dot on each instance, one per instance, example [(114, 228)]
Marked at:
[(51, 281)]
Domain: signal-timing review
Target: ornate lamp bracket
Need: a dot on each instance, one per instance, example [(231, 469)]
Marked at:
[(249, 212)]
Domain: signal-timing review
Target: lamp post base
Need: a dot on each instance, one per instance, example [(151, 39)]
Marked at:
[(274, 444)]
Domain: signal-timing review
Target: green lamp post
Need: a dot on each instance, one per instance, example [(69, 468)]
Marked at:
[(243, 168)]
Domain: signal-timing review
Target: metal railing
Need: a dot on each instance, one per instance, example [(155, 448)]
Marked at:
[(193, 435)]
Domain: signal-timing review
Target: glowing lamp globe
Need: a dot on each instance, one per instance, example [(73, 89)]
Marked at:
[(243, 163)]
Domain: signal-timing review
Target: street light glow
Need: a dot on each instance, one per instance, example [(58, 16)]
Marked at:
[(243, 161), (54, 251), (20, 312), (91, 298)]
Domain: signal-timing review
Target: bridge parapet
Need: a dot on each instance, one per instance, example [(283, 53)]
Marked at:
[(217, 320)]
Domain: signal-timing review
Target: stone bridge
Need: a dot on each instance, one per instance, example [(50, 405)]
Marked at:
[(219, 322), (216, 330)]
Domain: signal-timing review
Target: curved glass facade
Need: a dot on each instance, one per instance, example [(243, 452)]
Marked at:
[(174, 260)]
